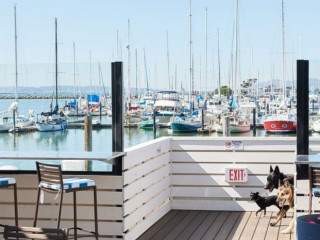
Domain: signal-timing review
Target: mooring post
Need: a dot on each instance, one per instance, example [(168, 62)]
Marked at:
[(117, 113), (202, 118), (88, 139), (14, 120), (100, 109), (254, 128), (226, 126), (154, 123), (302, 115)]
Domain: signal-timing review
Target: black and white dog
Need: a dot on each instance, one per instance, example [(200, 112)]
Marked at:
[(264, 202), (274, 177)]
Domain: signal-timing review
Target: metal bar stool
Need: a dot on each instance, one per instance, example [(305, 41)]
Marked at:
[(51, 181), (7, 182)]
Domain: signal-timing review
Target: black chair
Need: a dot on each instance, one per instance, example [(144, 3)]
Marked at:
[(15, 232), (51, 181), (8, 182), (314, 184)]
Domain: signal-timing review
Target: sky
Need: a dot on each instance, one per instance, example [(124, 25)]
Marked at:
[(93, 26)]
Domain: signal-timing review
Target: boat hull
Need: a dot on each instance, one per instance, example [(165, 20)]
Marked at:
[(48, 127), (234, 128), (280, 126), (185, 127)]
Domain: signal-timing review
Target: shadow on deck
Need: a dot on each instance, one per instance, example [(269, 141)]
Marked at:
[(205, 225)]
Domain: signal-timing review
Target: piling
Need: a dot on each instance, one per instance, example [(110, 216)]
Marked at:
[(88, 139), (154, 124), (226, 126), (254, 128), (14, 119), (202, 118), (100, 109)]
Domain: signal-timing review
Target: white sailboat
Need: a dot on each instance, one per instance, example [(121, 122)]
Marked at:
[(53, 120), (9, 123)]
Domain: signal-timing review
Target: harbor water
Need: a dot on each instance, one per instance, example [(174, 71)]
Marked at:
[(72, 140)]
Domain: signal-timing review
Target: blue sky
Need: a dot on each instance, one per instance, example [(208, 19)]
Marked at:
[(92, 25)]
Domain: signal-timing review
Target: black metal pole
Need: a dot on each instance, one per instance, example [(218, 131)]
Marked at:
[(117, 113), (302, 115)]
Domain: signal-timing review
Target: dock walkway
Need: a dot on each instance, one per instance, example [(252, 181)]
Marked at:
[(205, 225)]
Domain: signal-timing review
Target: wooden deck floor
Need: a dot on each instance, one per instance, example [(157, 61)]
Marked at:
[(205, 225)]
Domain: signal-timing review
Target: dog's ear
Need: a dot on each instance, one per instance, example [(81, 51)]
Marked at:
[(271, 169), (257, 193), (277, 170), (286, 183)]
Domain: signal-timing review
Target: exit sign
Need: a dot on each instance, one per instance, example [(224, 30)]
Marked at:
[(236, 174)]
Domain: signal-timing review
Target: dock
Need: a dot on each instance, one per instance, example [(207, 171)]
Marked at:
[(94, 125)]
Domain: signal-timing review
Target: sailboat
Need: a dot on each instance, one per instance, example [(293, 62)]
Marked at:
[(189, 124), (53, 120), (281, 121), (16, 121)]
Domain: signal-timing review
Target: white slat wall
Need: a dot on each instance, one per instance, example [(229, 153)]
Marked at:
[(110, 199), (198, 164), (146, 189)]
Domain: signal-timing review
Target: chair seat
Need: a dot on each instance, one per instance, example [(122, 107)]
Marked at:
[(4, 181), (316, 192), (70, 184)]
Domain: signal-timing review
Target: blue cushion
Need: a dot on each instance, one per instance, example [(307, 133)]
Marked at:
[(316, 191), (70, 183), (7, 181)]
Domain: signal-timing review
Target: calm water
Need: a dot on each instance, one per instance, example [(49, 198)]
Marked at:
[(73, 139)]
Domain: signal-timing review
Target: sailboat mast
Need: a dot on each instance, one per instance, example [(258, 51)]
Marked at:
[(190, 52), (56, 50), (283, 52), (236, 46), (136, 73), (16, 52), (74, 69), (168, 62), (128, 47), (145, 68), (206, 55), (219, 76)]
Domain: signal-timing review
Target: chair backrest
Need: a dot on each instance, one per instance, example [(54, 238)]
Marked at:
[(49, 173), (15, 232), (314, 177)]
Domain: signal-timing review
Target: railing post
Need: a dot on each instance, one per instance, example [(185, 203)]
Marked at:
[(117, 113), (302, 115)]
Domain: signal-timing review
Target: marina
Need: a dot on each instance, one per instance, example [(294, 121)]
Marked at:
[(150, 122)]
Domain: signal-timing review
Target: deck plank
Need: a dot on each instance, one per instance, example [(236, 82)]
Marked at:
[(174, 233), (263, 226), (203, 227), (158, 225), (170, 225), (273, 232), (239, 225), (250, 228), (215, 226), (194, 224), (283, 225), (227, 226)]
